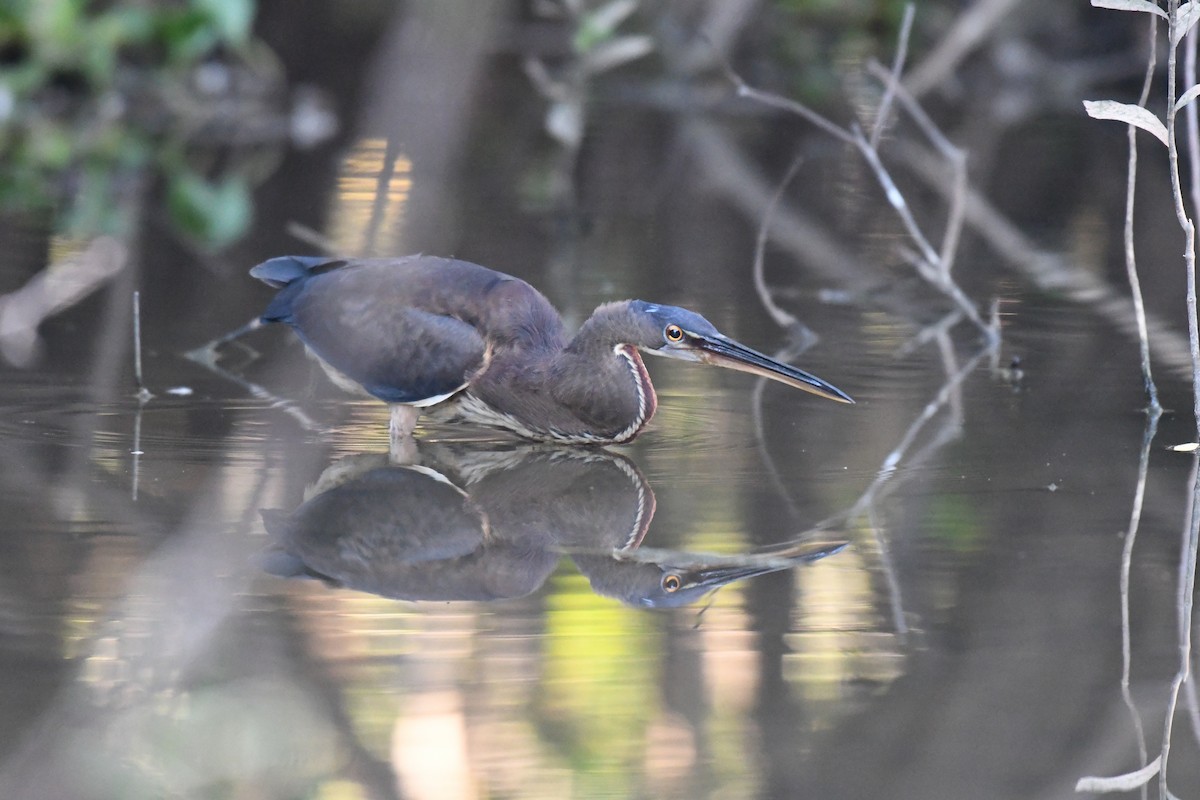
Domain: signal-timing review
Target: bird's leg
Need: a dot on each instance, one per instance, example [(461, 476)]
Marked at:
[(404, 420), (403, 451), (403, 447)]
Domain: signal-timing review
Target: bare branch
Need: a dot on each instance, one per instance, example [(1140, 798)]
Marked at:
[(885, 103), (782, 318), (958, 161), (783, 103), (1135, 284), (970, 29), (57, 287), (937, 271), (914, 110)]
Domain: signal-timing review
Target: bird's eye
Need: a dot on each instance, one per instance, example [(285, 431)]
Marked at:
[(674, 334), (671, 581)]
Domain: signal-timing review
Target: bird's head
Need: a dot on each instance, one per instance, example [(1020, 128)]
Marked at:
[(675, 332)]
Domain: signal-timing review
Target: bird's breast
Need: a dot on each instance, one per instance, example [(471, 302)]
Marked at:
[(605, 401)]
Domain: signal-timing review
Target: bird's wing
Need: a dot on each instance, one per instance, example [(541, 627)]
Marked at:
[(397, 352)]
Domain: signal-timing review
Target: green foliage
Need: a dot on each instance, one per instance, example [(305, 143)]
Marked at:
[(217, 212), (204, 24), (956, 524), (598, 686), (599, 25), (78, 82), (810, 37)]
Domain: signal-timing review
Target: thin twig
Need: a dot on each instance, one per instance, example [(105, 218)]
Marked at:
[(206, 357), (1135, 517), (207, 352), (970, 29), (855, 136), (382, 189), (1046, 271), (782, 318), (784, 103), (958, 205), (890, 462), (957, 197), (913, 108), (137, 341), (893, 194), (136, 451), (1183, 606), (885, 103), (144, 395), (929, 333), (942, 281), (313, 238), (1135, 284)]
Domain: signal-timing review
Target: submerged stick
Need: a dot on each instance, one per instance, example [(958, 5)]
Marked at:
[(137, 451), (1187, 565), (143, 394), (206, 353), (1135, 518)]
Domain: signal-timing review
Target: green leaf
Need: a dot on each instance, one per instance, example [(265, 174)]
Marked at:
[(613, 53), (231, 18), (95, 208), (599, 25), (215, 213), (55, 21), (122, 26), (188, 34), (1127, 113), (50, 146)]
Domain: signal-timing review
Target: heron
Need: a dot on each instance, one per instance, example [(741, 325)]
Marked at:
[(458, 341)]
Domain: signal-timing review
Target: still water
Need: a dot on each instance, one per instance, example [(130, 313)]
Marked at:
[(474, 635), (228, 589)]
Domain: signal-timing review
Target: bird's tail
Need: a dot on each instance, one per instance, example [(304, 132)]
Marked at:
[(279, 272)]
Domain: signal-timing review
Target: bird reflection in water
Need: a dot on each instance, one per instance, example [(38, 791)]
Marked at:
[(472, 524)]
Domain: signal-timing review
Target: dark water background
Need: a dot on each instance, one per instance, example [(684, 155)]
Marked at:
[(967, 642)]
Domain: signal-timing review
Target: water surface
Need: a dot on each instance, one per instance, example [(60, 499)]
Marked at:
[(465, 630)]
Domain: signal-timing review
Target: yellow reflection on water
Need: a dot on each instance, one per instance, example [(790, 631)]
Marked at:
[(837, 636), (367, 217), (429, 748), (601, 661)]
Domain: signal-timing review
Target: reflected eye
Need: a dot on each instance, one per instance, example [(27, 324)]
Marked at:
[(674, 334), (671, 582)]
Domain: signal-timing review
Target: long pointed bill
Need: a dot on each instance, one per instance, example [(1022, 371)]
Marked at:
[(750, 566), (722, 351), (693, 580)]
